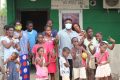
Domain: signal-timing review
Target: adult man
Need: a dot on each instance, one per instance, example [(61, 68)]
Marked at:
[(64, 36)]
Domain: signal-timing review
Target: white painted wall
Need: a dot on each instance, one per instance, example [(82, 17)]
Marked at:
[(2, 3), (115, 60)]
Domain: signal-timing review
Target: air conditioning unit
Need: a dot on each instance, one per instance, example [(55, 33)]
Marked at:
[(111, 4)]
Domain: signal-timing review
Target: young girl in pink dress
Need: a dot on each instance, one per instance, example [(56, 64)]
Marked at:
[(40, 63), (103, 70), (51, 53), (40, 43)]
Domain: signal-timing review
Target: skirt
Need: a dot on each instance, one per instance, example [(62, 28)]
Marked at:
[(76, 73), (66, 77), (52, 67), (83, 73), (24, 69), (103, 71), (41, 79)]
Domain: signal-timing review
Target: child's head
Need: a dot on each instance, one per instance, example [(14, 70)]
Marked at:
[(103, 46), (40, 51), (14, 56), (48, 30), (40, 38), (65, 52), (99, 36), (89, 32), (74, 41)]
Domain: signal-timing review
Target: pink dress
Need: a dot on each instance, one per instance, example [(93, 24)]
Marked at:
[(35, 47), (104, 57), (102, 70), (51, 56), (41, 71)]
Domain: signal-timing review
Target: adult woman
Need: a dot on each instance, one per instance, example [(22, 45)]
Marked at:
[(24, 44)]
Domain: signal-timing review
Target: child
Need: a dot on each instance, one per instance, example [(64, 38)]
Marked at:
[(50, 52), (41, 69), (11, 62), (103, 70), (79, 63), (64, 64), (40, 43)]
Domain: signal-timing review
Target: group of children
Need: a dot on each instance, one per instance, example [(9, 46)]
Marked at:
[(45, 59), (80, 55)]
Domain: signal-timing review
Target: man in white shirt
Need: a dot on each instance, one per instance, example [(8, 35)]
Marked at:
[(64, 36)]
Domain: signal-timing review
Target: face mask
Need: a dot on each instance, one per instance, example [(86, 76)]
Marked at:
[(68, 26), (18, 27)]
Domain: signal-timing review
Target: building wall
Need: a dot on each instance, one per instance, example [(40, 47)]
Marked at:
[(96, 17)]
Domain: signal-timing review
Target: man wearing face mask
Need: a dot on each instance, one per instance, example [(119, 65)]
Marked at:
[(64, 36)]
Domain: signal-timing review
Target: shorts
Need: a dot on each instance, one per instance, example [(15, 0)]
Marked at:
[(65, 77), (83, 73), (76, 73)]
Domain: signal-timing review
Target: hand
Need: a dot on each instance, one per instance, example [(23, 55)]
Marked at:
[(99, 64), (90, 44), (12, 43), (9, 59), (18, 70), (20, 35), (111, 40), (15, 37)]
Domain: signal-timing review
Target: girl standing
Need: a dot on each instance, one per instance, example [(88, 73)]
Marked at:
[(51, 53), (40, 43), (103, 70), (41, 69)]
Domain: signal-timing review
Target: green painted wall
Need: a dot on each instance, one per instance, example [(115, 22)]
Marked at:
[(102, 21), (96, 17), (10, 11), (27, 4)]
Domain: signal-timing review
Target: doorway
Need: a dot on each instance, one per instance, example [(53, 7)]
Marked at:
[(39, 19)]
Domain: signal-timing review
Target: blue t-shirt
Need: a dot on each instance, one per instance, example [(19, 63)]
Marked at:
[(32, 36)]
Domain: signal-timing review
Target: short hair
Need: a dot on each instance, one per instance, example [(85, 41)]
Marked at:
[(39, 49), (99, 33), (29, 22), (49, 20), (39, 34), (68, 19), (16, 54), (6, 27), (65, 49), (47, 27), (73, 38), (10, 26), (88, 28), (17, 21)]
